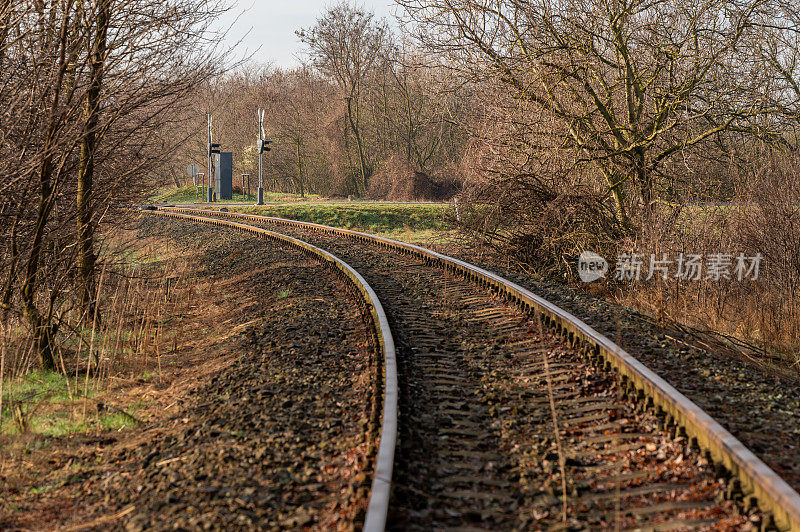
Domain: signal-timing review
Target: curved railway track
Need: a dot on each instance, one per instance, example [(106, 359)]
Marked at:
[(568, 431)]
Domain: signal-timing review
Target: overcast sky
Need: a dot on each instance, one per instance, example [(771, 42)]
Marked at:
[(267, 27)]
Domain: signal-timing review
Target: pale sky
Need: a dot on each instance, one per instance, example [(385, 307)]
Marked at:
[(267, 27)]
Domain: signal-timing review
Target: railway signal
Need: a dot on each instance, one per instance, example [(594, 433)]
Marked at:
[(212, 149), (262, 145)]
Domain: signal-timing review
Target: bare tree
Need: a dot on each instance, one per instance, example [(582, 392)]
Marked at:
[(618, 87), (88, 87), (53, 30), (345, 45), (421, 108), (97, 58), (778, 47)]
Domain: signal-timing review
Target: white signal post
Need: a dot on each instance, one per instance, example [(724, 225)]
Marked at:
[(260, 146), (210, 197)]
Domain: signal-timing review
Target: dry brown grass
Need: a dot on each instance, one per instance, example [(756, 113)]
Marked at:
[(39, 474), (147, 291), (760, 318)]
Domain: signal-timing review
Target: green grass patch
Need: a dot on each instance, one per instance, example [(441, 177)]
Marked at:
[(409, 221), (175, 195), (33, 403), (190, 195), (405, 221), (56, 424), (37, 385), (59, 422), (116, 421), (40, 402)]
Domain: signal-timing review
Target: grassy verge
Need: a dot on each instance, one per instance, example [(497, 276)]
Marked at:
[(409, 222), (189, 195), (51, 404)]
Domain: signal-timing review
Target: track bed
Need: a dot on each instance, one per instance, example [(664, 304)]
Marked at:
[(278, 440), (483, 389)]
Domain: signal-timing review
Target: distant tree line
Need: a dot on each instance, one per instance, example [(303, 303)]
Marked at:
[(364, 109), (603, 109)]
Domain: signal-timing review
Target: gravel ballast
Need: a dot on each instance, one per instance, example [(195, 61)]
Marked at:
[(278, 439)]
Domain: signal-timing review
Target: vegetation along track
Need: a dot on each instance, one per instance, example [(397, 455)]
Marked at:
[(482, 388)]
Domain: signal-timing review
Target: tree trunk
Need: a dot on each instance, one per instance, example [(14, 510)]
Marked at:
[(354, 125), (41, 331), (614, 182), (619, 206), (351, 179), (645, 184), (40, 326), (85, 207), (300, 170), (8, 289)]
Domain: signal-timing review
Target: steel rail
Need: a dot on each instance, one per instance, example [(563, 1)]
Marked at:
[(375, 518), (773, 494)]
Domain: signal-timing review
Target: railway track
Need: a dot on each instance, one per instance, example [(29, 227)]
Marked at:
[(514, 414)]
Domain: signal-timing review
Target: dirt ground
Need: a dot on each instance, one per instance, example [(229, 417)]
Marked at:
[(251, 412)]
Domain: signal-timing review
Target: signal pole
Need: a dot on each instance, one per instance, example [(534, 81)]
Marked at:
[(209, 193), (262, 145), (260, 137), (212, 149)]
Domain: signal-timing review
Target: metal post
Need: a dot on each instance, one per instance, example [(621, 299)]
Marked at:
[(210, 197), (245, 188), (260, 138), (201, 177)]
